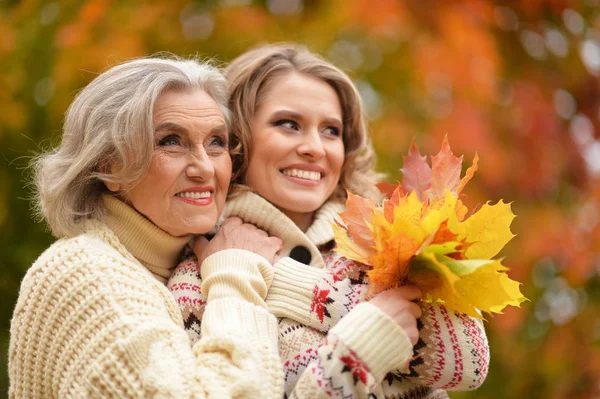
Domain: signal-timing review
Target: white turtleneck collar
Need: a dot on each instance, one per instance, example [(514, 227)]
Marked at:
[(157, 250), (252, 208)]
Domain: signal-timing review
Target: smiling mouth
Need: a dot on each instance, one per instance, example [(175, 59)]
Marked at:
[(194, 194), (302, 174)]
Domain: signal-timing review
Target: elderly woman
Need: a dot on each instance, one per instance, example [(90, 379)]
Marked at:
[(143, 165), (300, 142)]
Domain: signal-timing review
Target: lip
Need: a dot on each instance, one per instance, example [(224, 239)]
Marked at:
[(304, 182), (197, 201), (306, 166)]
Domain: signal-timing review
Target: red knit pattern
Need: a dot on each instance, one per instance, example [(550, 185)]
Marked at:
[(438, 368), (319, 302), (356, 366), (481, 349), (457, 375)]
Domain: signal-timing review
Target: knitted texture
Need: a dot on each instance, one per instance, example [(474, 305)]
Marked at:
[(336, 372), (451, 353), (92, 321)]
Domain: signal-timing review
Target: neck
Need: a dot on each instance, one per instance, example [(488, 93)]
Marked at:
[(151, 246), (301, 219)]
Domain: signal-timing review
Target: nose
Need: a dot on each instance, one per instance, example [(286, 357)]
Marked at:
[(312, 145), (200, 165)]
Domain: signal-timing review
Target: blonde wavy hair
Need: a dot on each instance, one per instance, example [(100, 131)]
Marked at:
[(252, 74), (108, 136)]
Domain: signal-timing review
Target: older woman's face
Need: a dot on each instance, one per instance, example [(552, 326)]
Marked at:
[(298, 151), (185, 188)]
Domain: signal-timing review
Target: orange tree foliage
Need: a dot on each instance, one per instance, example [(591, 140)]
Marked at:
[(516, 81)]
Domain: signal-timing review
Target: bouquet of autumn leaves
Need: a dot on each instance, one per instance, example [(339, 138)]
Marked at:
[(424, 235)]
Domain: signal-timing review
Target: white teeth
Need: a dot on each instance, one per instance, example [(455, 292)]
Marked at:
[(302, 174), (194, 194)]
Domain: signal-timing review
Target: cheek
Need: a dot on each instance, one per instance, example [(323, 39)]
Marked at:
[(337, 158), (165, 170), (223, 172), (254, 167)]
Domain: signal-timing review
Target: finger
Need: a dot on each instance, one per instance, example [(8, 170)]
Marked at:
[(410, 292), (232, 222), (277, 243), (199, 245), (415, 310), (255, 230), (413, 336)]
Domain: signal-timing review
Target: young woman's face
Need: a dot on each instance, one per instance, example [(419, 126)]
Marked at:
[(185, 188), (297, 148)]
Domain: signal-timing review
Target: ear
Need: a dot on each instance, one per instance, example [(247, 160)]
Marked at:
[(114, 187), (106, 167)]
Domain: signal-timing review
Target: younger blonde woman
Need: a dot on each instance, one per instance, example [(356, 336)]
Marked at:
[(299, 142)]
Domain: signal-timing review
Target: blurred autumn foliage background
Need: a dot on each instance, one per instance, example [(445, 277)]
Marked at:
[(516, 81)]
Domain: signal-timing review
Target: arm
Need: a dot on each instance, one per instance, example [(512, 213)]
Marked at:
[(452, 352), (317, 298), (105, 328), (374, 338), (186, 283), (186, 286)]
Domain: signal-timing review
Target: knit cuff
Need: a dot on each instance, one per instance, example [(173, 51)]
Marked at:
[(292, 291), (236, 273), (377, 339), (235, 317)]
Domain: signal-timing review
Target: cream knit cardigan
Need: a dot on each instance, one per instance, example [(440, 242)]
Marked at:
[(94, 319)]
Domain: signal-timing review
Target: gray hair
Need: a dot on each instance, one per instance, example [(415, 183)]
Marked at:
[(108, 136)]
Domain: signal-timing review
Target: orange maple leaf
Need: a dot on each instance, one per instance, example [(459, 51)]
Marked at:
[(445, 172), (416, 173), (357, 217)]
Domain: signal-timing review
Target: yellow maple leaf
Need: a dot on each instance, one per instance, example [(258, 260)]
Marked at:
[(486, 287), (487, 230), (435, 280), (408, 215)]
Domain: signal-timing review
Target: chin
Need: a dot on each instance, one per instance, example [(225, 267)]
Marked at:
[(299, 206), (201, 227)]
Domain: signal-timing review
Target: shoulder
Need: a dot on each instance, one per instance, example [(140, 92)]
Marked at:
[(78, 252), (85, 260)]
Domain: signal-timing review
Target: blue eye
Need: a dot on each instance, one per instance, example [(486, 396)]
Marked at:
[(287, 123), (332, 130), (218, 141), (169, 140)]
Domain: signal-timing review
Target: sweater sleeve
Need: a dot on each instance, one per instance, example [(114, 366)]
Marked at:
[(356, 355), (89, 323), (185, 285), (313, 297), (317, 298), (452, 352)]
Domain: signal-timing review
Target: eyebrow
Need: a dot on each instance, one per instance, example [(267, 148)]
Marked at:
[(293, 114), (171, 126), (174, 127)]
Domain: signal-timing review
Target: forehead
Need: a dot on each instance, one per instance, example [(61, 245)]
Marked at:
[(186, 104), (301, 89)]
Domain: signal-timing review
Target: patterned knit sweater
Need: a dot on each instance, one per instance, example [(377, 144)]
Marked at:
[(350, 361), (93, 319)]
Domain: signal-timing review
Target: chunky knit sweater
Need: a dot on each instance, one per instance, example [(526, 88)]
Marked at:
[(93, 319), (325, 355)]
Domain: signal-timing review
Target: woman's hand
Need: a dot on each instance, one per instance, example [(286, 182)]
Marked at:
[(398, 304), (234, 233)]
